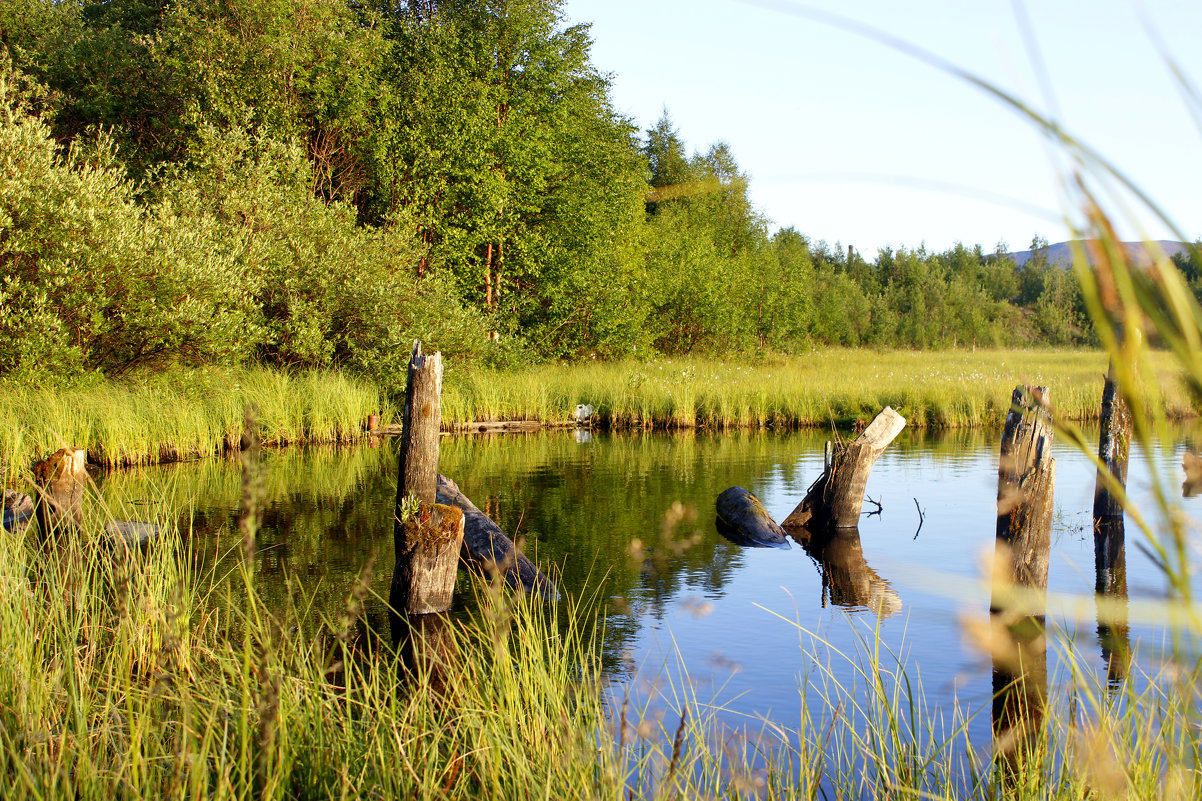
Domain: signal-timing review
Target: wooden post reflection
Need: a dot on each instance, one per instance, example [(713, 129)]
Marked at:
[(1110, 566), (847, 578), (426, 646), (1026, 482)]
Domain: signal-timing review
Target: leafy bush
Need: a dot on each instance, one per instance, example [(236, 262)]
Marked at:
[(89, 280)]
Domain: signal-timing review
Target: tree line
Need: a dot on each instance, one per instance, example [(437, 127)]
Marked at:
[(315, 184)]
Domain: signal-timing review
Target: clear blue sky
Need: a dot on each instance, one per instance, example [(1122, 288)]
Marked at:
[(849, 140)]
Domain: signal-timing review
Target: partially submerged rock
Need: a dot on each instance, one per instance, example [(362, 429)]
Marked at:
[(743, 520)]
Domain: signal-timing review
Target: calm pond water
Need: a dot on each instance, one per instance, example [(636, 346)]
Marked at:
[(746, 628)]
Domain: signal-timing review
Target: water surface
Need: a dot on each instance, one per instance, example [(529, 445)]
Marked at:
[(749, 629)]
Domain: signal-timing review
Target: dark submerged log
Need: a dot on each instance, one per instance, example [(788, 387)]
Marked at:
[(130, 535), (488, 550), (743, 520), (837, 497), (18, 509)]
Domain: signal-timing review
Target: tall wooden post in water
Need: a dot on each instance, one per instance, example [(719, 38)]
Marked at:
[(1110, 561), (1026, 482), (427, 535)]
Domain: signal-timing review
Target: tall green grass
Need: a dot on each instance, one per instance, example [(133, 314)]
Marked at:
[(180, 415), (133, 676), (940, 389)]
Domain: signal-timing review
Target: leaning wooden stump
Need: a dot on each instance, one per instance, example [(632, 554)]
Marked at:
[(427, 535), (743, 520), (837, 497), (60, 479)]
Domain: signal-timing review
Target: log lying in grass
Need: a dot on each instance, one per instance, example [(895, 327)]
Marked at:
[(18, 509), (743, 520), (487, 549), (837, 497)]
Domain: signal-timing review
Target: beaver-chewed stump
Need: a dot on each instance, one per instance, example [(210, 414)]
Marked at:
[(836, 498), (743, 520), (60, 479), (427, 558)]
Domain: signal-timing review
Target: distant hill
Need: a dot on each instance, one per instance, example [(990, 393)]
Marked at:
[(1061, 253)]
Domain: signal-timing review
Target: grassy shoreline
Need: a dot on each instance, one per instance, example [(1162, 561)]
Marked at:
[(140, 678), (198, 413)]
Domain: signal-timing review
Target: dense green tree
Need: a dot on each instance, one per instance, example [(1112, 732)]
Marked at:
[(525, 185)]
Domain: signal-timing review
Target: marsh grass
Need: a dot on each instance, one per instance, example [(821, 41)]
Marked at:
[(932, 389), (172, 416)]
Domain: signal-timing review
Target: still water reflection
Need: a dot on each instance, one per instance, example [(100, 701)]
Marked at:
[(750, 627)]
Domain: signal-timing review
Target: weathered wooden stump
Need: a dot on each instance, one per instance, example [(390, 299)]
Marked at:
[(427, 536), (427, 559), (1193, 475), (743, 520), (488, 550), (1026, 482), (1114, 448), (837, 497), (18, 509), (60, 479)]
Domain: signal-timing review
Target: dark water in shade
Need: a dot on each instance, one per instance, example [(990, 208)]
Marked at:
[(736, 620)]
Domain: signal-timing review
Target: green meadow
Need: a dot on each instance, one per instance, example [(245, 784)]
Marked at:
[(184, 415)]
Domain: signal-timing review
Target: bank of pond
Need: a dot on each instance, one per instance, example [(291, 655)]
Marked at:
[(679, 663), (184, 415)]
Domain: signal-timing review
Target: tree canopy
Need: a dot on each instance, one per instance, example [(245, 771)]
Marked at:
[(215, 181)]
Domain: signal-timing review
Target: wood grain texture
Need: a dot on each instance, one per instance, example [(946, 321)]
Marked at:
[(427, 558), (837, 497), (1026, 484), (1114, 449), (420, 426), (60, 479)]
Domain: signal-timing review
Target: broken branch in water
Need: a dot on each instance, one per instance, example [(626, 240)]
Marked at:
[(876, 503), (922, 516)]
